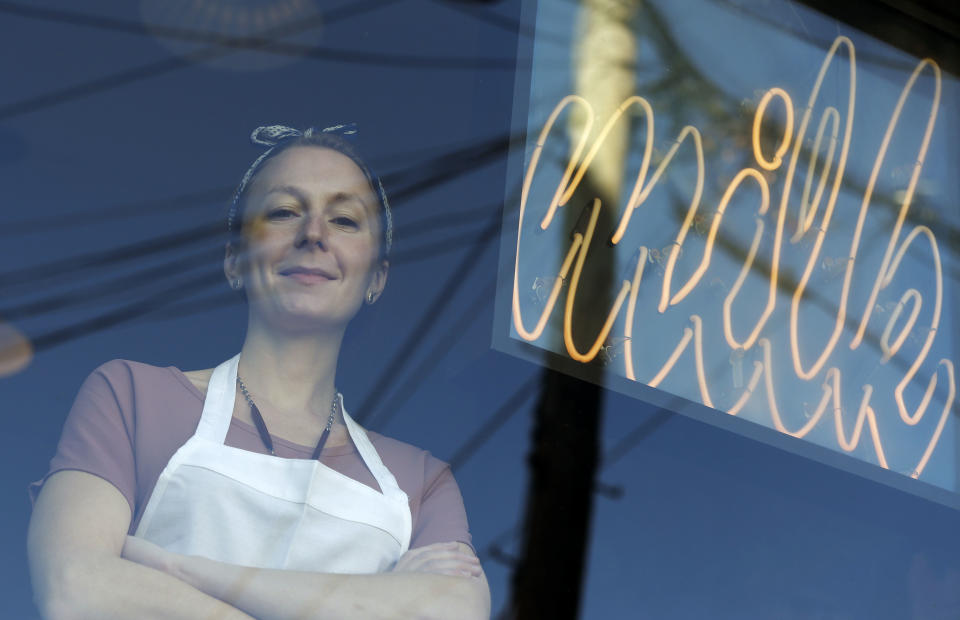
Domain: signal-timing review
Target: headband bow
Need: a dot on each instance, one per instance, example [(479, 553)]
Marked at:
[(272, 135)]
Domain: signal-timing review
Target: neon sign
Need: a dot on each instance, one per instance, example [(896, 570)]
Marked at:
[(881, 413)]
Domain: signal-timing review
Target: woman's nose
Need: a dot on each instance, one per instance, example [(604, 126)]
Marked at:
[(313, 231)]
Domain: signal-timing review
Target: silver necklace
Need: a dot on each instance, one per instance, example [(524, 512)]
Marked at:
[(265, 434)]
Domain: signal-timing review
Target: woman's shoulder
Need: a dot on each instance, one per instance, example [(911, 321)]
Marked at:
[(123, 372), (394, 451), (199, 378), (394, 445), (119, 369)]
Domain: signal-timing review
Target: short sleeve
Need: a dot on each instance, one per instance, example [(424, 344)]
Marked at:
[(98, 434), (442, 517)]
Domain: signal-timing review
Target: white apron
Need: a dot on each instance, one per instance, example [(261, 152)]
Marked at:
[(254, 509)]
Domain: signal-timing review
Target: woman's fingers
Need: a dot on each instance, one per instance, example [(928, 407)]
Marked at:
[(450, 566), (430, 552), (439, 558)]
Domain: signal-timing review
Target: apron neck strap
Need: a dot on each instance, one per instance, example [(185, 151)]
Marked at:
[(388, 484), (218, 405)]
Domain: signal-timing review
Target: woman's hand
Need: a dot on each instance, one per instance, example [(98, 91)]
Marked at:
[(148, 554), (439, 559)]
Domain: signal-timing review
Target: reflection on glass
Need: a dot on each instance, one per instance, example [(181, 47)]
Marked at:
[(793, 189)]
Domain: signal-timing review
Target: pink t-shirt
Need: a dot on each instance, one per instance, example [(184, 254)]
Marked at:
[(129, 418)]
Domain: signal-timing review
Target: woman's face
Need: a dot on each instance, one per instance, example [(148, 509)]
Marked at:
[(311, 228)]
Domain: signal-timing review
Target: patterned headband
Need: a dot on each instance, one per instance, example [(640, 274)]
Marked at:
[(272, 136)]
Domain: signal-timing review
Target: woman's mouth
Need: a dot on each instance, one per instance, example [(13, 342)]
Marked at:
[(307, 276)]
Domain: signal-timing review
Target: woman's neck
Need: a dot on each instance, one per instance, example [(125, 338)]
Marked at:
[(292, 371)]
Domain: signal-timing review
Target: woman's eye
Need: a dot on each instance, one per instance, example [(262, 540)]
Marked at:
[(281, 213), (345, 221)]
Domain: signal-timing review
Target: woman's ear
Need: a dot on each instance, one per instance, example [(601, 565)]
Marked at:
[(231, 265), (378, 281)]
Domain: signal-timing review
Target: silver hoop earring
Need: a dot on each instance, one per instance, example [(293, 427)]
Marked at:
[(237, 284)]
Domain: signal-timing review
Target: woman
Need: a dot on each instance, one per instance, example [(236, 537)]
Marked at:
[(250, 490)]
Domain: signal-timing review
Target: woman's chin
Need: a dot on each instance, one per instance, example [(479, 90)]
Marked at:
[(300, 319)]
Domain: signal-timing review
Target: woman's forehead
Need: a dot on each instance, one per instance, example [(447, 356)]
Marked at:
[(313, 170)]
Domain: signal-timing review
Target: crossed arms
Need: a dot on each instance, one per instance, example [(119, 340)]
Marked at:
[(80, 568)]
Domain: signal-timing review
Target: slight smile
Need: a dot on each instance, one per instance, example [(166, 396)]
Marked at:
[(307, 276)]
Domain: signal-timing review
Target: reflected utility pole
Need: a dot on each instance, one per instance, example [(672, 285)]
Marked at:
[(549, 576)]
